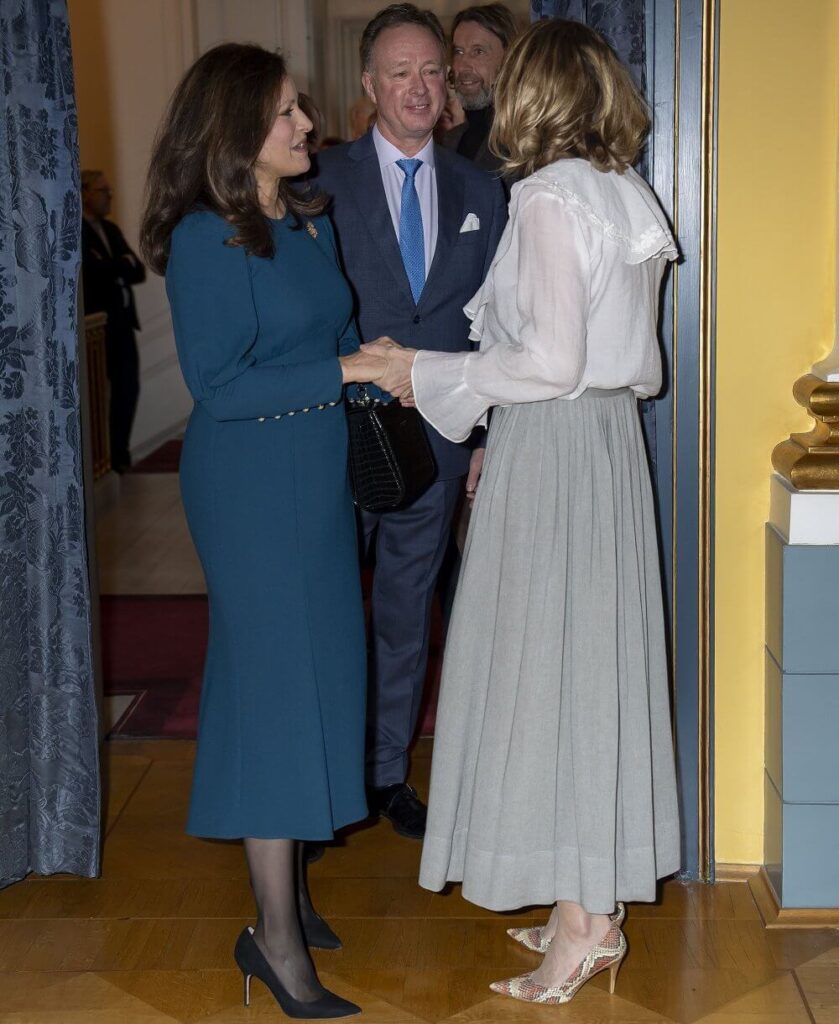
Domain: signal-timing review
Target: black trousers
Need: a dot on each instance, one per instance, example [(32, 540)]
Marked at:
[(123, 364)]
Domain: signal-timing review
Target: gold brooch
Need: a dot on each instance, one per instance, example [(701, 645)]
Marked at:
[(310, 227)]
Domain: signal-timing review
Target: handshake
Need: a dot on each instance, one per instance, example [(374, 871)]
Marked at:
[(383, 362)]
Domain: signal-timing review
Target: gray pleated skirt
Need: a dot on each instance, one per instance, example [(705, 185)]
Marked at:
[(553, 772)]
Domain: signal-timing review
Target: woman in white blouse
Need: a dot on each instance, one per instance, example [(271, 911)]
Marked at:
[(553, 776)]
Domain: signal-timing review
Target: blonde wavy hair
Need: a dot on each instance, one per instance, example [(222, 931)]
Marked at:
[(562, 92)]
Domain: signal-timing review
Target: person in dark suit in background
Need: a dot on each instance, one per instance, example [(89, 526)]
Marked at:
[(417, 229), (480, 38), (109, 269)]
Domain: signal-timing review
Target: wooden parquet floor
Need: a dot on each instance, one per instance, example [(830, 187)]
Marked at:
[(150, 941), (142, 540)]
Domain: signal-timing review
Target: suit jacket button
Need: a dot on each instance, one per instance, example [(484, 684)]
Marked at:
[(417, 319)]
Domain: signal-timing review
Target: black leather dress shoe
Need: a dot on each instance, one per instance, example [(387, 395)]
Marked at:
[(313, 851), (401, 806)]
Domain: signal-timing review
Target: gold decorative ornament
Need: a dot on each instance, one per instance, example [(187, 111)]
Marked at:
[(811, 461), (310, 227)]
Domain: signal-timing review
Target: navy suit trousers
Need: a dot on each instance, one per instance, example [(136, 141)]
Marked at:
[(410, 545)]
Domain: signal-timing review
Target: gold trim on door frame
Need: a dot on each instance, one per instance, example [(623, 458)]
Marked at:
[(674, 330), (705, 434), (708, 158)]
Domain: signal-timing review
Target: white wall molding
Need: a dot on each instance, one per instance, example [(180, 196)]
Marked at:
[(161, 366)]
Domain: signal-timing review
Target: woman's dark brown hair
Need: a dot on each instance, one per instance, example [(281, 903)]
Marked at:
[(562, 92), (213, 131)]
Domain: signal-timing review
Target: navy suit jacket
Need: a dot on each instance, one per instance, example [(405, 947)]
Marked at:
[(106, 276), (370, 254)]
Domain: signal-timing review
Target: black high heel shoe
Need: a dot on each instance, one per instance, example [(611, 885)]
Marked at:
[(318, 935), (253, 964), (313, 851)]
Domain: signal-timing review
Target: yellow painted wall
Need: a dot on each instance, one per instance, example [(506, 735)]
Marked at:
[(778, 131), (93, 94)]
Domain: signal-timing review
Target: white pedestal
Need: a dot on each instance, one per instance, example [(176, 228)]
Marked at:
[(803, 517)]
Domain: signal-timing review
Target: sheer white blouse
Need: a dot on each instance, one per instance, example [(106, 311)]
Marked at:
[(570, 301)]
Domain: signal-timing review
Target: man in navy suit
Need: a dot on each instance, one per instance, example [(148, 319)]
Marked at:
[(417, 226), (109, 269)]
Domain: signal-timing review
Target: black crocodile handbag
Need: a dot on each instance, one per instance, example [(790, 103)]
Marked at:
[(391, 462)]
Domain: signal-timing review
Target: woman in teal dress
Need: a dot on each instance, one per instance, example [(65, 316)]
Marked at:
[(264, 329)]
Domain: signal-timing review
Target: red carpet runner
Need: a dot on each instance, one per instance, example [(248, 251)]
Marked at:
[(153, 649), (164, 459)]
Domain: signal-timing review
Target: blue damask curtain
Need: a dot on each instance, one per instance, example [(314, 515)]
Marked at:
[(622, 22), (49, 771)]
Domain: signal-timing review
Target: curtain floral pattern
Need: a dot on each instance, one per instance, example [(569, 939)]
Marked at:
[(622, 22), (49, 771)]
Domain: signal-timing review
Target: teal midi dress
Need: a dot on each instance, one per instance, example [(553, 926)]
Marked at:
[(264, 482)]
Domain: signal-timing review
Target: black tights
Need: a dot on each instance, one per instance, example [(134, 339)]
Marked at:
[(279, 885)]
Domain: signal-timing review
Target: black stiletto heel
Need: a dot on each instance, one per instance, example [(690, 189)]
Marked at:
[(253, 964)]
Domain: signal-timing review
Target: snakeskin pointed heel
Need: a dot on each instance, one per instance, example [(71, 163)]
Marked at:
[(534, 938), (607, 954)]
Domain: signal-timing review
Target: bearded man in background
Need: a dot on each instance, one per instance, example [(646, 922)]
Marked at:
[(480, 38)]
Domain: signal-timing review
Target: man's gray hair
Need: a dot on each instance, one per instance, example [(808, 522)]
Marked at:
[(392, 17)]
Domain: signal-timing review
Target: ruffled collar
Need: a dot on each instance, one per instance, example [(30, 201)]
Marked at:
[(622, 206)]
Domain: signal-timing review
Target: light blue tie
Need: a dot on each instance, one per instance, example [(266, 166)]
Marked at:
[(411, 240)]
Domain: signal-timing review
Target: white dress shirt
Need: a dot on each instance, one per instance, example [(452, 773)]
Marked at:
[(570, 301), (426, 186)]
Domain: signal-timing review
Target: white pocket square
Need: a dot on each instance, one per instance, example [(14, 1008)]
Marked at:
[(470, 224)]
